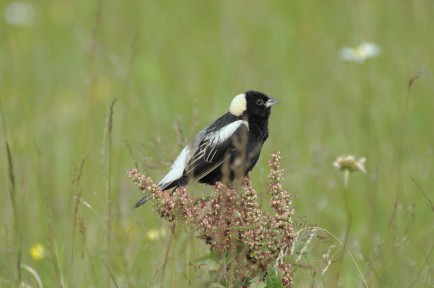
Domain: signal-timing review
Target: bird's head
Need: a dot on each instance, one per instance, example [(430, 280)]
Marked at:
[(252, 103)]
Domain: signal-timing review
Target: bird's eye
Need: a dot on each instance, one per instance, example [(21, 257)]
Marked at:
[(260, 102)]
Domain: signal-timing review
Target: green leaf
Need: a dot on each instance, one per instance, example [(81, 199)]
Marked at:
[(258, 281), (273, 279), (216, 285), (206, 258)]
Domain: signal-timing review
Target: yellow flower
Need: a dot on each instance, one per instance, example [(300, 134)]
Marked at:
[(37, 251), (155, 234)]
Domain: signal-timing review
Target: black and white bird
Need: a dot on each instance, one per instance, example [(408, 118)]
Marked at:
[(227, 149)]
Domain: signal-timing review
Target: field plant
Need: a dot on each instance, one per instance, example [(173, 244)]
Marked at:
[(249, 242), (90, 89)]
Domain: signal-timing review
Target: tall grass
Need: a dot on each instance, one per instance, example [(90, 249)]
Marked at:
[(174, 67)]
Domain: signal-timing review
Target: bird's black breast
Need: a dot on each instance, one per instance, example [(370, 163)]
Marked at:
[(257, 136)]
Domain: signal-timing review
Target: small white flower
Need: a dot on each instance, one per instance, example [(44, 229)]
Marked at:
[(360, 53), (350, 163), (19, 13)]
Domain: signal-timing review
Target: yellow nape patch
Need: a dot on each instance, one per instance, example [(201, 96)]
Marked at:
[(238, 105)]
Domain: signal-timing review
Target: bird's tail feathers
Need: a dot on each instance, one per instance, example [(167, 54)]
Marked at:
[(181, 183), (141, 201)]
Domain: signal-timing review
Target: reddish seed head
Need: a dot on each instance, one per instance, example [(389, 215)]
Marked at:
[(233, 215)]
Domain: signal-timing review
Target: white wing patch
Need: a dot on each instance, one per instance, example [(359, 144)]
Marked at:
[(177, 168), (225, 133)]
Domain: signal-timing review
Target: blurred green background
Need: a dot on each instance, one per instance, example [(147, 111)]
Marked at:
[(174, 67)]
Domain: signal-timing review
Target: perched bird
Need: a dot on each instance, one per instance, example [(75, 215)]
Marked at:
[(227, 149)]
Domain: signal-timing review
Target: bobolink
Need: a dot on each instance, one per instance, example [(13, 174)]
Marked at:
[(227, 149)]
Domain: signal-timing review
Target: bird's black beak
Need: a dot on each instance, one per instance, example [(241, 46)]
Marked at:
[(271, 102)]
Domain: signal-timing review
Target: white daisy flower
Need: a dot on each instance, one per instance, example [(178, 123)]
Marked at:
[(350, 163), (360, 53), (19, 13)]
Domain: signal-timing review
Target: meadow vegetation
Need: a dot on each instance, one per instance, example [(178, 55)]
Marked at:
[(91, 89)]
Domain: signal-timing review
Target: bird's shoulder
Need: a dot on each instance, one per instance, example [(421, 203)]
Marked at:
[(223, 129), (222, 121)]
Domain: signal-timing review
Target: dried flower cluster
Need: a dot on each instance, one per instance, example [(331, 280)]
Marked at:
[(232, 221)]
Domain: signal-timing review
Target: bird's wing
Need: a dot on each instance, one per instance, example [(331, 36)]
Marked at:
[(177, 169), (213, 150), (201, 156), (204, 153)]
